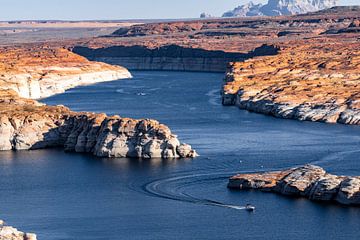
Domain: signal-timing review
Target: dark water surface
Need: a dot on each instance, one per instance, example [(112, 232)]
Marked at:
[(73, 196)]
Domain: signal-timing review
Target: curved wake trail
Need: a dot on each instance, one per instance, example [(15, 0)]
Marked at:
[(173, 189)]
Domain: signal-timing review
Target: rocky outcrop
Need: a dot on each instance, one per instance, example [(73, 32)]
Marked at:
[(354, 27), (27, 124), (308, 181), (280, 7), (306, 82), (40, 71), (11, 233)]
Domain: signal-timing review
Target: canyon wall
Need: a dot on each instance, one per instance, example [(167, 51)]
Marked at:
[(169, 58)]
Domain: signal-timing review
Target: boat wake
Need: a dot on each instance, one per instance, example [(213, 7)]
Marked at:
[(214, 97), (174, 188)]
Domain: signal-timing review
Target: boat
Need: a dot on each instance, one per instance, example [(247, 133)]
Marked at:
[(249, 208)]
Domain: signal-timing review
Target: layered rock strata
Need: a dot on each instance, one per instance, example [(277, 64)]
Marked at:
[(308, 181), (11, 233), (170, 58), (209, 44), (40, 71), (28, 124), (315, 82)]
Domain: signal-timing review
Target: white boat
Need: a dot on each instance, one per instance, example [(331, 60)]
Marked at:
[(249, 208)]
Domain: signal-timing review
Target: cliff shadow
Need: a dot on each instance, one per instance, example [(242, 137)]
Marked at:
[(170, 57)]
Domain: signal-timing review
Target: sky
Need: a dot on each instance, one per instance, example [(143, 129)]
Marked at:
[(118, 9)]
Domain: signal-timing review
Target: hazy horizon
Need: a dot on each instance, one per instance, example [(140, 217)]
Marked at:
[(12, 10)]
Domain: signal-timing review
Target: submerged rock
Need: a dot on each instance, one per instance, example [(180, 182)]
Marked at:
[(308, 181)]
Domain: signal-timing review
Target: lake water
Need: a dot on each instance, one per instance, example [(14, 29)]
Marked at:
[(75, 196)]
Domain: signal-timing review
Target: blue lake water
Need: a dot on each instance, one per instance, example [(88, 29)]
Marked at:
[(74, 196)]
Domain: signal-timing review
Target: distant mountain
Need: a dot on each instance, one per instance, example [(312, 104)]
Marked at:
[(206, 15), (280, 7)]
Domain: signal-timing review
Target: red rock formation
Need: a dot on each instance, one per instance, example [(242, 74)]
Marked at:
[(306, 81)]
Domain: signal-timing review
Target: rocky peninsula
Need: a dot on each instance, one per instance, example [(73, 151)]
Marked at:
[(29, 73), (308, 181), (314, 82), (39, 71)]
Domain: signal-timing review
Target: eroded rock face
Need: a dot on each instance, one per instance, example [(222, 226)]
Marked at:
[(11, 233), (308, 181), (40, 71), (311, 82), (27, 124)]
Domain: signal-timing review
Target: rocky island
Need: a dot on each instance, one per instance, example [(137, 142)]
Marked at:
[(308, 181), (30, 73)]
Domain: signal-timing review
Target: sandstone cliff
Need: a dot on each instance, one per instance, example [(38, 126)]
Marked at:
[(169, 58), (28, 124), (39, 71), (11, 233), (308, 181), (306, 81)]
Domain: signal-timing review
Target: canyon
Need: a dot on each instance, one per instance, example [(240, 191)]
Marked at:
[(272, 63), (307, 181), (303, 67)]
